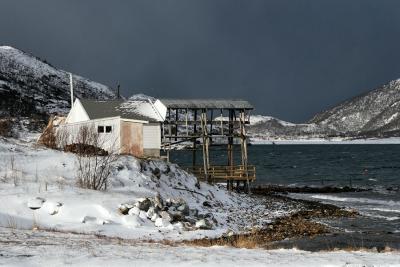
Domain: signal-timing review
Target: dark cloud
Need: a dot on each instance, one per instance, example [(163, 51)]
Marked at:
[(290, 58)]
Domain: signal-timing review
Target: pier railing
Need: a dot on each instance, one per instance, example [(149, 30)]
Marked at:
[(225, 173)]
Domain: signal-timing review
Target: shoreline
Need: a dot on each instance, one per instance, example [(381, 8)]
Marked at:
[(299, 224), (370, 141), (306, 229)]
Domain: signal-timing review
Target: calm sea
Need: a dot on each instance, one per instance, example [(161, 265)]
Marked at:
[(376, 167)]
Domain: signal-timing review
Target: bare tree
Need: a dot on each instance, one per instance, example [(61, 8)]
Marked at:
[(94, 164)]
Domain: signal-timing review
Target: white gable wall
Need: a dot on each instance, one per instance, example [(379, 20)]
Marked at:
[(77, 113), (151, 136), (108, 141)]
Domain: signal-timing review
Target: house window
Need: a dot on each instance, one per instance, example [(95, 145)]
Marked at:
[(100, 129), (108, 129)]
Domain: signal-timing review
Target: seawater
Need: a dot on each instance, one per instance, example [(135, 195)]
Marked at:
[(375, 167)]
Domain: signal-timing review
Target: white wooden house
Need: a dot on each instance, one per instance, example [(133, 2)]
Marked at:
[(124, 126)]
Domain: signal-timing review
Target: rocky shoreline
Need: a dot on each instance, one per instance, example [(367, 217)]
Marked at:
[(302, 223), (274, 189)]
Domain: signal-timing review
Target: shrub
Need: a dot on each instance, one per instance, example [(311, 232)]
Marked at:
[(5, 127), (94, 164)]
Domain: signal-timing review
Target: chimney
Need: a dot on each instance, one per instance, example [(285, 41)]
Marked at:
[(71, 85)]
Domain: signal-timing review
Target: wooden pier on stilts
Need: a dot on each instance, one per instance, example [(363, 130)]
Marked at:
[(203, 124)]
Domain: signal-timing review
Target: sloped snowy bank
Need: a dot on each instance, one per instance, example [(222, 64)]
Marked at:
[(38, 191)]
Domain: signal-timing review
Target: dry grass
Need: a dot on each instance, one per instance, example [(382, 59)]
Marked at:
[(286, 227), (11, 222)]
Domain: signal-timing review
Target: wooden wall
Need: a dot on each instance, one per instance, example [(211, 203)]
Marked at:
[(131, 138)]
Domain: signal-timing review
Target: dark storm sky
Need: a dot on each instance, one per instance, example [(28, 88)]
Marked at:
[(290, 58)]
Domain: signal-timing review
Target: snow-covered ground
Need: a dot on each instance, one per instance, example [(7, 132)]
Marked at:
[(27, 248), (85, 227), (36, 176)]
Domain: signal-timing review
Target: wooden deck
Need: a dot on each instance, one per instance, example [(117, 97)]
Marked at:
[(224, 173)]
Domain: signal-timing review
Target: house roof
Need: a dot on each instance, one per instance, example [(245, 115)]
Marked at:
[(97, 109), (206, 104)]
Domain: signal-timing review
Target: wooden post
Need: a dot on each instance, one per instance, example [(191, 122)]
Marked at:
[(186, 123), (243, 143), (211, 125), (194, 138), (230, 148), (222, 124), (169, 126), (176, 124), (206, 161)]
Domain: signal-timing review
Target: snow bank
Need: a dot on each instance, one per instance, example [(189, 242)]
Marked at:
[(31, 174)]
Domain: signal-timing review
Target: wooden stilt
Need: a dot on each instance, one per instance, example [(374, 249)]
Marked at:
[(194, 139), (206, 160), (176, 123), (230, 145), (243, 143)]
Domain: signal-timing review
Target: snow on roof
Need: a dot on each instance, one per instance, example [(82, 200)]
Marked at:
[(207, 103), (138, 107)]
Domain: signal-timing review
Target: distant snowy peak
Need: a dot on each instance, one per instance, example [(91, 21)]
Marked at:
[(258, 119), (375, 113), (39, 87)]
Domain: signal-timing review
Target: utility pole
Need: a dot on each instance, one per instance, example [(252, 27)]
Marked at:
[(71, 85), (118, 92)]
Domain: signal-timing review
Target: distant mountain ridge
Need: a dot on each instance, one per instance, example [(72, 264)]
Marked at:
[(30, 86), (375, 114)]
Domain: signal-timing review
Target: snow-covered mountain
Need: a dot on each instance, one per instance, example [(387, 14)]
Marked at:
[(31, 86), (373, 114), (266, 127)]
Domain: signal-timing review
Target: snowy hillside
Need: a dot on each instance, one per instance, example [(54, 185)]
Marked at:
[(373, 114), (30, 86), (266, 127)]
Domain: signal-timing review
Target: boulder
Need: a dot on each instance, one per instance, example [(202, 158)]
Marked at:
[(144, 204), (168, 202), (143, 215), (209, 216), (177, 216), (158, 201), (188, 226), (154, 217), (36, 203), (176, 202), (166, 216), (190, 220), (156, 172), (161, 222), (203, 224), (184, 208), (124, 208), (207, 204), (134, 211), (150, 212), (194, 212)]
